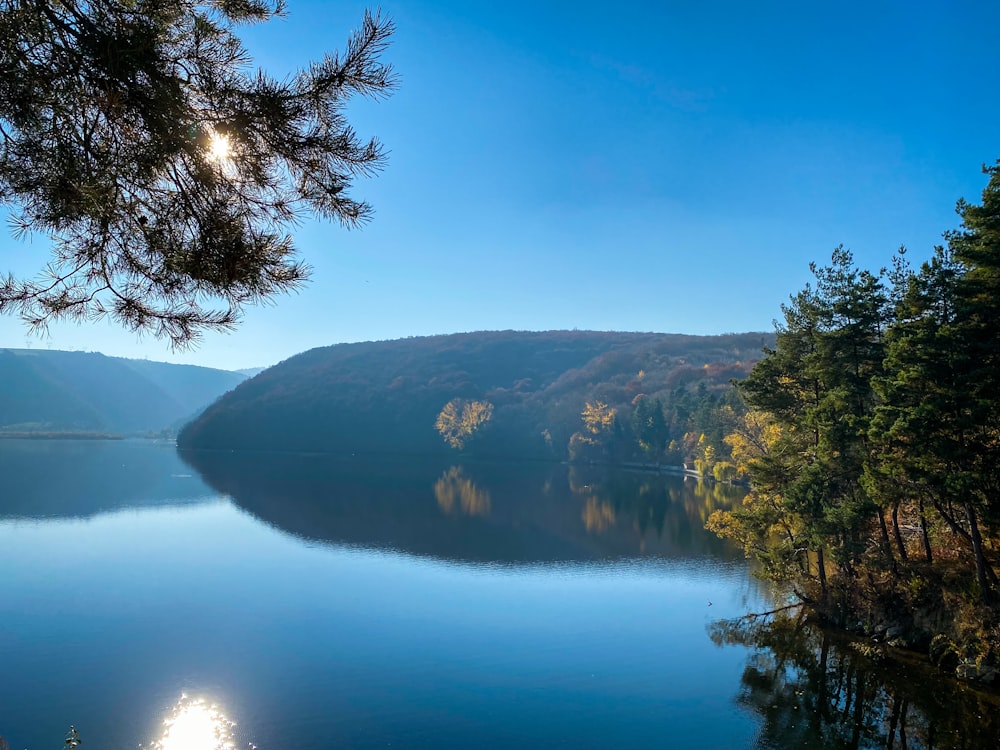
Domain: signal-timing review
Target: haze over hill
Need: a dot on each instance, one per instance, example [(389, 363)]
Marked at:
[(386, 396), (58, 391)]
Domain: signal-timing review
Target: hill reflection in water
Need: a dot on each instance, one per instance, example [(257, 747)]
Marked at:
[(49, 479), (498, 513)]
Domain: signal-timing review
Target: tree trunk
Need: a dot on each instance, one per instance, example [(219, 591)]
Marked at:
[(924, 534), (821, 569), (977, 550), (848, 691), (949, 518), (893, 722), (902, 724), (897, 533), (822, 699), (886, 545), (859, 712)]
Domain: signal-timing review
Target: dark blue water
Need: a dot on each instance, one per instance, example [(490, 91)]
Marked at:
[(330, 603)]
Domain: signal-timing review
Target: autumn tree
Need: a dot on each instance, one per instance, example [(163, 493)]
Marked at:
[(459, 420), (597, 417), (767, 524), (165, 170), (599, 429)]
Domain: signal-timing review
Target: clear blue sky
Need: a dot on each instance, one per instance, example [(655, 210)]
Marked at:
[(660, 166)]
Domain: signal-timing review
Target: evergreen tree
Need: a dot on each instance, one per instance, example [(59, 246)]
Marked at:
[(650, 426), (815, 385), (938, 421), (166, 172), (881, 402)]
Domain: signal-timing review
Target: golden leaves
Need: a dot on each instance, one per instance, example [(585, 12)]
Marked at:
[(460, 419), (597, 417)]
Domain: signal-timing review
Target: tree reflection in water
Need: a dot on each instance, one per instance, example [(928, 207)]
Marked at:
[(492, 512), (816, 689), (456, 493), (648, 503)]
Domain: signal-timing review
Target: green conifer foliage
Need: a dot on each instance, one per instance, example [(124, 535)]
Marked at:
[(165, 170)]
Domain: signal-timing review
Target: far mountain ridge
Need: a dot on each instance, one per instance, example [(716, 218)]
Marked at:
[(62, 391), (385, 396)]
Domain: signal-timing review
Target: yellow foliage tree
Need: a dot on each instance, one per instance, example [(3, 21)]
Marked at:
[(763, 525), (754, 438), (597, 417), (590, 444), (724, 471), (706, 459), (459, 420)]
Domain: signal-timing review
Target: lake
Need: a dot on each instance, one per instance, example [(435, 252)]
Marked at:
[(307, 601)]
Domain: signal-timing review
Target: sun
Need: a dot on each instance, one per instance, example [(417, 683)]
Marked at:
[(219, 148)]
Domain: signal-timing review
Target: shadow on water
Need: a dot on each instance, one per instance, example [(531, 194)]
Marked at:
[(499, 513), (816, 689), (79, 479)]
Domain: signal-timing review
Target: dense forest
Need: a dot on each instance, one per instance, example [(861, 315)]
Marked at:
[(871, 436), (584, 395), (58, 392)]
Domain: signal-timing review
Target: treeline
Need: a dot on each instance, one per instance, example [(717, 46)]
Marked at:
[(872, 440), (682, 421), (503, 394)]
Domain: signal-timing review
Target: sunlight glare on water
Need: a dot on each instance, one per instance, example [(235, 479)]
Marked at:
[(196, 725)]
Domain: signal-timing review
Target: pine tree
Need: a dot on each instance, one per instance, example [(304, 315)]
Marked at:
[(815, 386), (166, 172), (938, 423)]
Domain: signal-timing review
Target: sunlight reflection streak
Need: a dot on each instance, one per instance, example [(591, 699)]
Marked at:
[(196, 725)]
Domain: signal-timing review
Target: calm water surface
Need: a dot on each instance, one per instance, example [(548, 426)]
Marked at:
[(346, 603)]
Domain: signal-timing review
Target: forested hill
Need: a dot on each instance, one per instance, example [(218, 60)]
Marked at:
[(529, 392), (58, 391)]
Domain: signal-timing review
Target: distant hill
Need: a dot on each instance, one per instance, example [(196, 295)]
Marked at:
[(57, 391), (386, 396)]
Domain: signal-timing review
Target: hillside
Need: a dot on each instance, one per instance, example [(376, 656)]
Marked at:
[(386, 396), (56, 391)]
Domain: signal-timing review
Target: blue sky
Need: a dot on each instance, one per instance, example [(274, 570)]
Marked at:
[(669, 166)]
